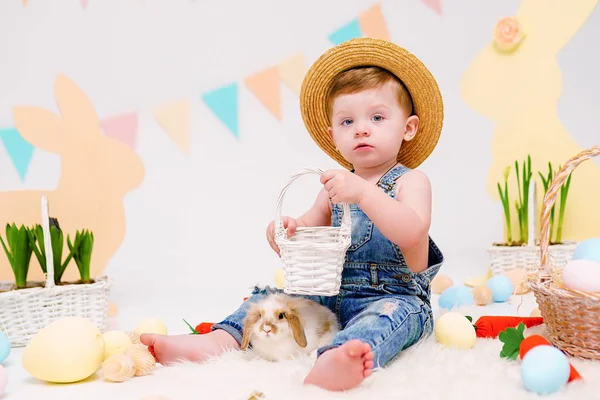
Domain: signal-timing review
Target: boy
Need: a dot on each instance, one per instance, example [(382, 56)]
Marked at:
[(375, 109)]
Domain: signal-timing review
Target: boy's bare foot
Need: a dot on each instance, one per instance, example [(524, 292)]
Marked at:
[(195, 348), (343, 367)]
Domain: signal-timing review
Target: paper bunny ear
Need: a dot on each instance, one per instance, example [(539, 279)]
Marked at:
[(552, 24), (40, 127), (76, 108)]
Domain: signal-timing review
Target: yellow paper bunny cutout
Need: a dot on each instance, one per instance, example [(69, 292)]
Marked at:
[(519, 91), (97, 171)]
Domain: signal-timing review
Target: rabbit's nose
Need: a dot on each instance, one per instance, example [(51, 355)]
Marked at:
[(266, 329)]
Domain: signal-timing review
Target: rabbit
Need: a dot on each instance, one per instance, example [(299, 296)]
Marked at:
[(519, 92), (97, 171), (280, 327)]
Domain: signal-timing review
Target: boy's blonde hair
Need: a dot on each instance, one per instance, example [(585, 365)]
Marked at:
[(363, 78)]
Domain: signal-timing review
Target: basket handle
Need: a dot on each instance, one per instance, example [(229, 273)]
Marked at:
[(549, 199), (47, 243), (279, 229)]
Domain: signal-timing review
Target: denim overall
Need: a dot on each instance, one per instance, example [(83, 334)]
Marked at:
[(381, 301)]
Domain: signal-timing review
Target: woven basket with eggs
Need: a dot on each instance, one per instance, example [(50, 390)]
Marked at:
[(571, 315)]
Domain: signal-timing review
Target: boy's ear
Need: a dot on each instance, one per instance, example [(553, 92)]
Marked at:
[(412, 125), (330, 132)]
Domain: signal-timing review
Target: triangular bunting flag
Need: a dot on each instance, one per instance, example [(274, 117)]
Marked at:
[(122, 127), (19, 150), (349, 31), (435, 5), (84, 3), (265, 86), (292, 71), (372, 23), (24, 2), (224, 103), (174, 118)]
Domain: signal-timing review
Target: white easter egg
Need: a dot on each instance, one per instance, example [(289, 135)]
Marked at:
[(67, 350), (582, 275), (455, 330)]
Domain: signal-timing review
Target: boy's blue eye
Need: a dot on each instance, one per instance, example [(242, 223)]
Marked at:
[(377, 118), (346, 121)]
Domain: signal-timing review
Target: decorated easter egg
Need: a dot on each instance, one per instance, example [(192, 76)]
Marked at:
[(456, 296), (151, 325), (588, 249), (501, 286), (582, 275), (482, 295), (4, 347), (455, 330), (3, 380), (440, 283), (545, 369), (67, 350), (115, 342)]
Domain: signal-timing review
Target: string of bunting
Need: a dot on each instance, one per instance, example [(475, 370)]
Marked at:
[(174, 117)]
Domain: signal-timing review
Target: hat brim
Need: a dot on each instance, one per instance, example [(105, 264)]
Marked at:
[(420, 83)]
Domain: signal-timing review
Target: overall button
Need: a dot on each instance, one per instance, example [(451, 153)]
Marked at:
[(405, 278)]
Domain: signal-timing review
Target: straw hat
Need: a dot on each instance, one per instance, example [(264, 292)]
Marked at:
[(423, 89)]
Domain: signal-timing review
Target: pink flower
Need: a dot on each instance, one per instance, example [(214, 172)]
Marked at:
[(508, 33)]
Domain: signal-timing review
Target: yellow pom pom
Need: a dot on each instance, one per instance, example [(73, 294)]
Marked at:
[(279, 280), (115, 342)]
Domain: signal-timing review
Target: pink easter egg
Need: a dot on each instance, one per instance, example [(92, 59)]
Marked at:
[(583, 275)]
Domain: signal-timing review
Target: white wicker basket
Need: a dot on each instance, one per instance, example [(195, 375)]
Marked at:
[(527, 257), (24, 312), (313, 258)]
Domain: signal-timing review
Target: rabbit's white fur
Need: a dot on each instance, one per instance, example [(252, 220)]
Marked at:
[(280, 327)]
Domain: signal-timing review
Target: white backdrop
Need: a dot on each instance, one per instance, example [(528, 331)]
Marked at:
[(196, 225)]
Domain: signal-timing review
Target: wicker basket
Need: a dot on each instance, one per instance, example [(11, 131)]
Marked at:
[(505, 258), (24, 312), (313, 258), (572, 317)]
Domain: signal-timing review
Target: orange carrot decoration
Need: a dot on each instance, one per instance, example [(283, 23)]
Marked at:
[(491, 326), (516, 344)]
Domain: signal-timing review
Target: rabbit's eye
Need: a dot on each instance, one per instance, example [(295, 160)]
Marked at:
[(280, 315)]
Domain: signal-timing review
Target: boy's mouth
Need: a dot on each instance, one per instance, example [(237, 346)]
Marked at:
[(362, 146)]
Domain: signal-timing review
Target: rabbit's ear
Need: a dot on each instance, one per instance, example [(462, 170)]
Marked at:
[(75, 107), (40, 127), (252, 317), (552, 24), (296, 328)]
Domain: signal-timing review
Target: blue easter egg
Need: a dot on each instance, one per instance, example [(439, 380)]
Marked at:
[(588, 249), (501, 286), (545, 369), (456, 296), (4, 347)]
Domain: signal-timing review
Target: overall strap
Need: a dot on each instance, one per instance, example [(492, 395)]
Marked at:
[(388, 181)]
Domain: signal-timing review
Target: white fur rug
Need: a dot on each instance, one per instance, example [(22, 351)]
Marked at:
[(426, 371)]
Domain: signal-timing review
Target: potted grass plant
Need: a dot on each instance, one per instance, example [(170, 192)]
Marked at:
[(520, 249), (26, 307)]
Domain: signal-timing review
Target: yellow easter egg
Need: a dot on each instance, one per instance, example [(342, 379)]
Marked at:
[(151, 325), (115, 342), (535, 312), (279, 280), (455, 330), (67, 350), (440, 283)]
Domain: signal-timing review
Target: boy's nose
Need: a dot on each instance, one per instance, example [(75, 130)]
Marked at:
[(361, 132)]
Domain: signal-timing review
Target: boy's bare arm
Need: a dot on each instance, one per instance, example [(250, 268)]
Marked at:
[(406, 219), (320, 212)]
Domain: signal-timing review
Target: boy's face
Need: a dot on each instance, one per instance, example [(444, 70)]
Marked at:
[(368, 127)]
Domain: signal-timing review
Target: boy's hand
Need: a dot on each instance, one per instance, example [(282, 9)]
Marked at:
[(289, 223), (343, 186)]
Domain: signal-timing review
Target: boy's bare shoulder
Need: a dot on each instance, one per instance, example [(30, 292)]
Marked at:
[(414, 180)]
